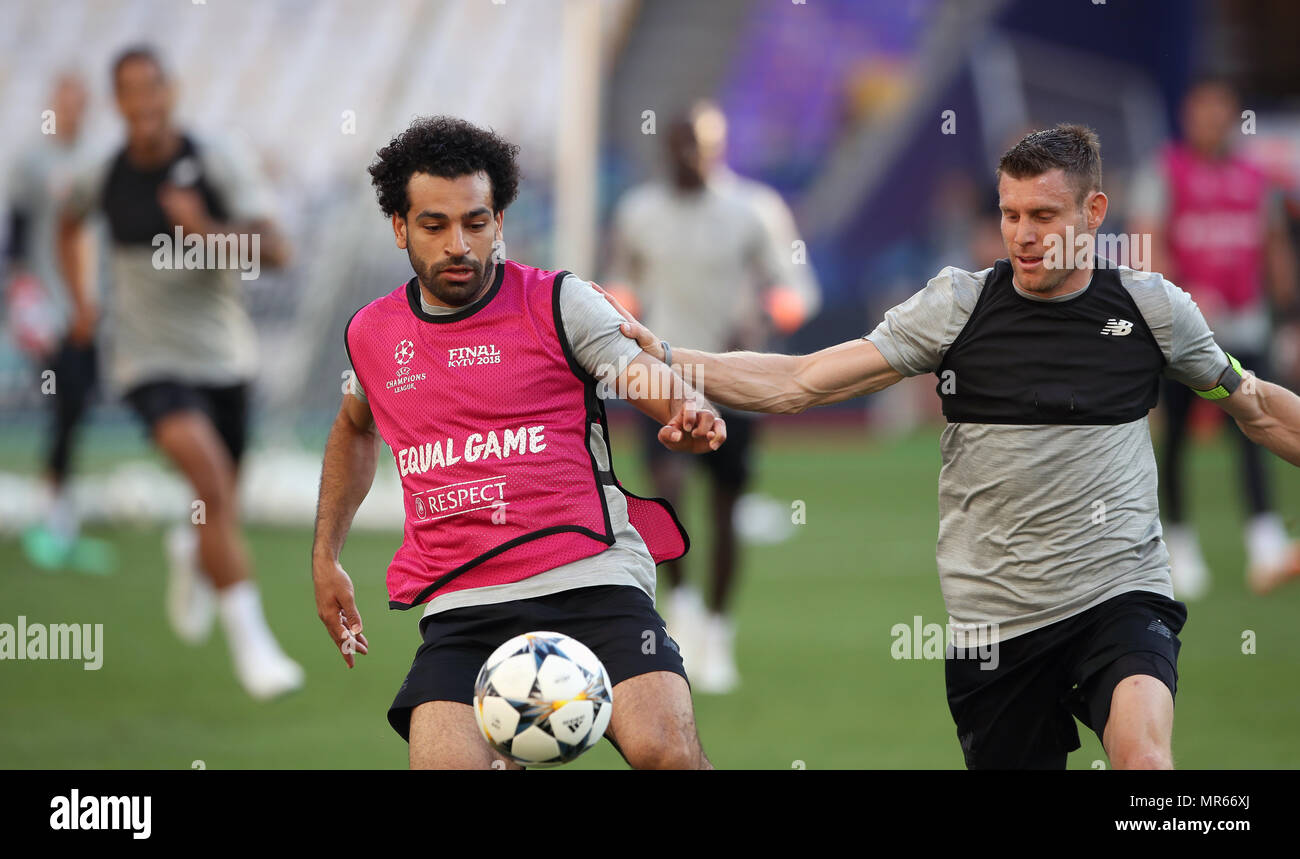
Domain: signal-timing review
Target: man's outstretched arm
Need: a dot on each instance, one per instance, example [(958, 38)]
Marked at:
[(1268, 414), (766, 382), (348, 470), (687, 422)]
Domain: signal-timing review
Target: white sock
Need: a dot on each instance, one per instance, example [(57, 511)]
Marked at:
[(1266, 539), (240, 607), (61, 518)]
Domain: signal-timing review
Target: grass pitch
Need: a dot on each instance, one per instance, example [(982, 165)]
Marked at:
[(819, 685)]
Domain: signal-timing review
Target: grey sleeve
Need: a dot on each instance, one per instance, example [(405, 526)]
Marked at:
[(1149, 196), (354, 384), (232, 167), (20, 185), (86, 185), (1194, 358), (591, 325), (913, 335), (776, 251), (623, 268)]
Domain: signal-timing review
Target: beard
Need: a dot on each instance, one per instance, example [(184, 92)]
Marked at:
[(448, 292)]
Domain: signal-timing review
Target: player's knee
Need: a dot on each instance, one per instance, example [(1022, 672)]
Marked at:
[(657, 758), (451, 756), (1142, 756), (214, 487), (667, 751)]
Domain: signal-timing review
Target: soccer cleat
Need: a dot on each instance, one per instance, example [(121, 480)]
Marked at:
[(50, 551), (44, 549), (1266, 578), (1274, 558), (92, 557), (761, 520), (191, 606), (717, 674), (268, 674), (261, 667), (1191, 577)]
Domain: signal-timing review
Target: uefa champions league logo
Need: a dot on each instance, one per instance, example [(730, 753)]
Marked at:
[(405, 380), (405, 352)]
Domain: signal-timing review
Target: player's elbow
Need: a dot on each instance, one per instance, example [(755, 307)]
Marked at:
[(276, 252), (354, 417), (794, 405), (1258, 426), (69, 229), (798, 395)]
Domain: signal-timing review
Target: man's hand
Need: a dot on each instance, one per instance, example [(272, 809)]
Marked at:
[(695, 428), (632, 329), (337, 608), (184, 208), (81, 328)]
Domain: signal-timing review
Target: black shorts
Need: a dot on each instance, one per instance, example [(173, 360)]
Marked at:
[(1020, 715), (729, 465), (617, 622), (226, 407)]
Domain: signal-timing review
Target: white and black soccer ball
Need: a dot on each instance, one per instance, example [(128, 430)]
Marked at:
[(542, 699)]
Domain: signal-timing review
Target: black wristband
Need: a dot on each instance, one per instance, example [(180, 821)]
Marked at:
[(1228, 382)]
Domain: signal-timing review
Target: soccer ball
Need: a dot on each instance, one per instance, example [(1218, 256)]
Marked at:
[(542, 699)]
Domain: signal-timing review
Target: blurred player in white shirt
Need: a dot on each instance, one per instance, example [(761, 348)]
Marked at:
[(709, 257), (39, 320)]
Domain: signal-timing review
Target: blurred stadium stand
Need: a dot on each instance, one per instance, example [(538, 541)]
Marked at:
[(833, 102), (283, 74)]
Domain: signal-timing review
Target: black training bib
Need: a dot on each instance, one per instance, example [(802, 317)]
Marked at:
[(1089, 360)]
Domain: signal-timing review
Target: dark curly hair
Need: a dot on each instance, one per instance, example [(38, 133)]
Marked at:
[(448, 147)]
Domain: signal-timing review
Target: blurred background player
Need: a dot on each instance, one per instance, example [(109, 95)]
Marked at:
[(1219, 231), (708, 255), (183, 350), (39, 317)]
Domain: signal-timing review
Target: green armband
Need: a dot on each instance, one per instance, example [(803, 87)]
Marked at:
[(1228, 382)]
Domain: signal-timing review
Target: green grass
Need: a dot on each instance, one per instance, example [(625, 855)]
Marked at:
[(814, 618)]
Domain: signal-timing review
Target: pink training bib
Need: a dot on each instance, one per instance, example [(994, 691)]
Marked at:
[(1216, 226), (490, 421)]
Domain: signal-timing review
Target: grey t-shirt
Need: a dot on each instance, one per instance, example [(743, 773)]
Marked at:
[(600, 348), (700, 262), (38, 187), (1040, 522)]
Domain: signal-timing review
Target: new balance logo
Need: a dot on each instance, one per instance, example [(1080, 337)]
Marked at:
[(1157, 626), (1117, 327)]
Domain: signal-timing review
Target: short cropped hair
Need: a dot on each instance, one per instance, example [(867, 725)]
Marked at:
[(1072, 148), (138, 52)]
